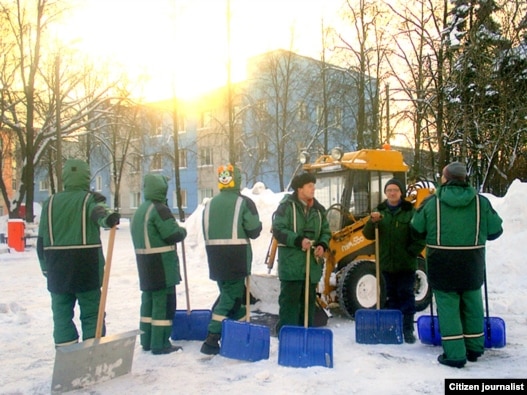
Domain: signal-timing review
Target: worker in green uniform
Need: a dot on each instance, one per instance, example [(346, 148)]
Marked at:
[(70, 252), (456, 223), (155, 233), (398, 251), (230, 220), (300, 226)]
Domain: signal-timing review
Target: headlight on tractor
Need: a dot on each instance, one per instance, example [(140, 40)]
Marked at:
[(303, 158), (337, 153)]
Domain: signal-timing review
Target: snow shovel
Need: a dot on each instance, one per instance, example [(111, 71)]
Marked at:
[(189, 324), (378, 326), (243, 340), (428, 328), (494, 326), (303, 347), (95, 360)]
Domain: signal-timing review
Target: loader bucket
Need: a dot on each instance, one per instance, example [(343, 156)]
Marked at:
[(191, 325), (303, 347), (245, 341), (93, 361), (378, 326)]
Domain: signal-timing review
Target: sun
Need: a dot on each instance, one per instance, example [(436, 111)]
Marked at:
[(180, 47)]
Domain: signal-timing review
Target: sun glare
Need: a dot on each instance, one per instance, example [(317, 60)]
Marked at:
[(180, 46)]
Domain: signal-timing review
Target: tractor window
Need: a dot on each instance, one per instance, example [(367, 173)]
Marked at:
[(329, 189), (359, 195)]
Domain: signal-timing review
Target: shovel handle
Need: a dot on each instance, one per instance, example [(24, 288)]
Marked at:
[(306, 293), (248, 298), (377, 266), (105, 281), (185, 277)]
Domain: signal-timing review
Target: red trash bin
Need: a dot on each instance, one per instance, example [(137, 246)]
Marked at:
[(15, 234)]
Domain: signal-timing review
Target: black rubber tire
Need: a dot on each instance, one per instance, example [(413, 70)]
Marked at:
[(356, 288), (423, 290)]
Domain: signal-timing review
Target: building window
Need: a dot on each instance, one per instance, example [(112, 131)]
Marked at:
[(338, 117), (157, 162), (44, 185), (205, 193), (182, 158), (98, 183), (136, 164), (237, 115), (320, 115), (135, 199), (302, 111), (181, 123), (205, 157), (183, 199), (206, 118)]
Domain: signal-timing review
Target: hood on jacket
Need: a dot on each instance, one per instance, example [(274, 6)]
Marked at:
[(76, 175), (155, 187), (229, 178), (456, 194)]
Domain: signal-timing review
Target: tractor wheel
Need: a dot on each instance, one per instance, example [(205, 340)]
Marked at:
[(423, 291), (357, 287)]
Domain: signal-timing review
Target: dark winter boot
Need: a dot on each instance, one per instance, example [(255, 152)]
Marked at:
[(211, 345), (408, 328)]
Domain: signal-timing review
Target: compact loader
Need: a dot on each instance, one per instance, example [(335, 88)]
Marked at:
[(350, 185)]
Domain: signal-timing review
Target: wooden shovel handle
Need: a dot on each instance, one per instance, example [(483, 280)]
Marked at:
[(185, 278), (248, 298), (105, 281), (377, 266), (306, 296)]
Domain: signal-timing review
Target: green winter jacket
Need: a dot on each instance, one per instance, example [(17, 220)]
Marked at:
[(154, 234), (456, 222), (291, 223), (398, 250), (230, 220), (69, 245)]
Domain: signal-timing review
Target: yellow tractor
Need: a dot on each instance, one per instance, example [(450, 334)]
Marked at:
[(350, 185)]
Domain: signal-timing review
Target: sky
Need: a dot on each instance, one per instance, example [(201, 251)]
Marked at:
[(27, 350), (181, 45)]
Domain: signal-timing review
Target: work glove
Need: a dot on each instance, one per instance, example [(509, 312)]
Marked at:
[(113, 219)]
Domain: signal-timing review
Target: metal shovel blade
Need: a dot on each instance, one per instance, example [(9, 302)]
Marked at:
[(244, 341), (378, 326), (193, 326), (93, 361), (303, 347)]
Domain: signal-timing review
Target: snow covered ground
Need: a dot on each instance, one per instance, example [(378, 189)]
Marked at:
[(27, 351)]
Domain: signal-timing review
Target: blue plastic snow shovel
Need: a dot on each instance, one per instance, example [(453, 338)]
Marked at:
[(428, 328), (378, 326), (494, 327), (304, 347), (243, 340), (189, 324)]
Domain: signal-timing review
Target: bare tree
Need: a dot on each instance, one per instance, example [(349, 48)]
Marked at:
[(28, 108)]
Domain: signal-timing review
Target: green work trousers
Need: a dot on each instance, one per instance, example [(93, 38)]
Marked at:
[(230, 304), (63, 308), (157, 313), (292, 303), (461, 322)]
